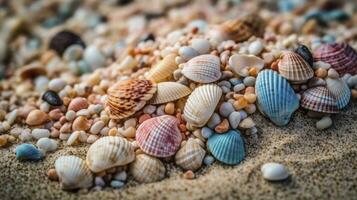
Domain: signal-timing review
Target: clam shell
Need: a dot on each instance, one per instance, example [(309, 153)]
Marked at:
[(201, 104), (169, 91), (108, 152), (227, 147), (163, 70), (190, 156), (147, 169), (28, 152), (73, 172), (241, 63), (203, 69), (275, 97), (340, 91), (294, 68), (319, 99), (159, 136), (305, 53)]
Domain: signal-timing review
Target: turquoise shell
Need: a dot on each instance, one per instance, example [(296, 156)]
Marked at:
[(276, 98), (227, 147), (28, 152)]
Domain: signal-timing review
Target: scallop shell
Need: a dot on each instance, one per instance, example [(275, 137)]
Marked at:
[(73, 172), (147, 169), (319, 99), (163, 70), (129, 96), (201, 104), (159, 136), (240, 63), (28, 152), (169, 91), (108, 152), (294, 68), (203, 69), (227, 147), (340, 91), (275, 97), (190, 156)]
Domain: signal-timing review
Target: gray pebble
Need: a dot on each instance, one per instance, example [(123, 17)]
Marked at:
[(56, 84), (206, 132), (121, 176), (40, 133), (201, 45), (73, 52), (98, 181), (116, 184), (249, 81), (352, 81), (93, 57), (239, 87), (214, 121), (234, 119), (243, 114), (255, 47), (187, 52), (225, 90), (225, 84), (208, 160), (324, 123), (226, 109)]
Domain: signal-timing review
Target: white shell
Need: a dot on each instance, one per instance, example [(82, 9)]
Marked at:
[(203, 69), (146, 169), (340, 91), (190, 156), (169, 91), (240, 64), (274, 172), (163, 70)]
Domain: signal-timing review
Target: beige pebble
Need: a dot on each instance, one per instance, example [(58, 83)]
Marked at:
[(354, 93), (83, 136), (66, 128), (321, 73), (251, 98), (55, 114), (189, 175), (3, 140), (222, 127), (130, 123), (36, 117), (247, 123), (52, 175), (128, 133), (81, 124), (73, 138), (170, 108), (97, 127), (78, 103), (92, 138), (113, 132)]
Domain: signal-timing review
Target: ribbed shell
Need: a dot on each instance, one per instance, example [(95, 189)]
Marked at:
[(294, 68), (190, 156), (163, 70), (276, 98), (159, 136), (203, 69), (169, 91), (147, 169), (108, 152), (240, 63), (227, 147), (340, 91), (319, 99), (201, 104), (127, 97), (73, 173)]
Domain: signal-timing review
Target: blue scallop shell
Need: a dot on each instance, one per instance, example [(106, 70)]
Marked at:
[(227, 147), (276, 98), (28, 152)]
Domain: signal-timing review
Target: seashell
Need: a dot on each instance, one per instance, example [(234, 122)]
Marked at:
[(36, 117), (108, 152), (159, 136), (341, 56), (201, 104), (28, 152), (274, 172), (240, 63), (169, 91), (294, 68), (77, 104), (73, 173), (190, 156), (319, 99), (163, 70), (227, 147), (203, 69), (147, 169), (31, 71), (305, 53), (64, 39), (276, 99), (340, 91), (127, 97)]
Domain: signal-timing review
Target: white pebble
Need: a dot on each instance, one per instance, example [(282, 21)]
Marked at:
[(187, 52), (320, 64), (201, 45), (73, 52), (274, 172), (255, 47), (70, 115), (11, 116), (97, 127), (332, 73), (324, 123), (40, 133), (239, 87), (91, 139), (208, 160), (83, 112), (47, 144), (116, 184), (45, 107), (56, 84), (247, 123), (93, 57)]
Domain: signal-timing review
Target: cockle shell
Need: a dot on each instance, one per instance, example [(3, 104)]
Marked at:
[(340, 91), (227, 147), (319, 99), (108, 152), (169, 91), (159, 136), (276, 98), (203, 69), (146, 169), (128, 96), (163, 70), (241, 63), (201, 104), (294, 68), (28, 152), (73, 172), (190, 156)]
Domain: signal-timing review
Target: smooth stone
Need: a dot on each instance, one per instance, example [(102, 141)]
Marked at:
[(214, 121), (332, 73), (70, 115), (320, 64), (249, 81), (28, 152), (40, 133), (45, 107), (47, 144), (346, 77), (149, 109), (243, 114), (52, 98), (206, 132), (116, 184), (97, 127), (226, 109), (73, 138), (41, 83), (324, 123), (250, 109), (247, 123), (274, 172), (208, 160), (73, 52), (239, 87), (352, 81), (202, 46), (226, 84), (121, 176), (94, 57), (234, 119), (235, 81), (98, 181), (11, 116), (187, 52), (255, 47), (25, 136)]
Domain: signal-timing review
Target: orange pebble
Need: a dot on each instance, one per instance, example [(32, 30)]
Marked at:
[(253, 71), (274, 66), (237, 96), (321, 73), (143, 118), (52, 175), (251, 98), (240, 103), (189, 175), (249, 90), (113, 132), (354, 93), (182, 127)]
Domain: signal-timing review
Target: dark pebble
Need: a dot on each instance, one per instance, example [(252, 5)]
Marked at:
[(52, 98), (148, 37), (305, 53), (64, 39)]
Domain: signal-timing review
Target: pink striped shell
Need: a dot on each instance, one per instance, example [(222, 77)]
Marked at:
[(159, 136), (319, 99), (294, 68)]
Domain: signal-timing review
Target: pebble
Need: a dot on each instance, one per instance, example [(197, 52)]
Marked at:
[(224, 83), (36, 117), (91, 139), (246, 123), (70, 115), (73, 138), (222, 127), (149, 109), (81, 124), (40, 133), (320, 64), (41, 83), (206, 132), (239, 87), (121, 176), (25, 135), (160, 110), (352, 81), (250, 109), (324, 123), (11, 116), (77, 104), (116, 184), (226, 109), (83, 112), (170, 108), (93, 57), (354, 93), (189, 175), (235, 81), (52, 98), (56, 84), (98, 181), (251, 98), (274, 172), (187, 53), (321, 73), (97, 127), (240, 103), (255, 47), (73, 53), (46, 144), (202, 46), (249, 81), (52, 175), (208, 160), (3, 140), (128, 133), (332, 73), (45, 107), (214, 121), (234, 119)]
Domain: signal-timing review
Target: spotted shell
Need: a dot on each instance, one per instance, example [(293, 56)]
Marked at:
[(227, 147), (129, 96), (203, 69), (241, 63), (294, 68), (159, 136), (73, 172), (190, 156), (147, 169), (201, 104), (169, 91), (275, 97), (108, 152), (163, 70), (340, 91), (319, 99)]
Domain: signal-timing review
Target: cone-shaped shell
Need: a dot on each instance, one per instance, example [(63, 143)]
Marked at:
[(73, 173), (203, 69), (340, 91), (163, 70), (241, 63), (159, 136), (126, 97), (276, 98), (201, 104), (319, 99), (190, 156), (169, 91), (294, 68), (108, 152), (227, 147), (147, 169)]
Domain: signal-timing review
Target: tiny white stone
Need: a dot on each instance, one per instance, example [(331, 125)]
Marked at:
[(40, 133), (274, 172), (56, 84), (11, 116), (83, 112), (320, 64), (45, 107), (130, 123), (73, 138), (93, 57), (255, 47), (247, 123), (97, 127), (324, 123), (201, 45), (73, 52), (70, 115), (91, 139), (47, 144)]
